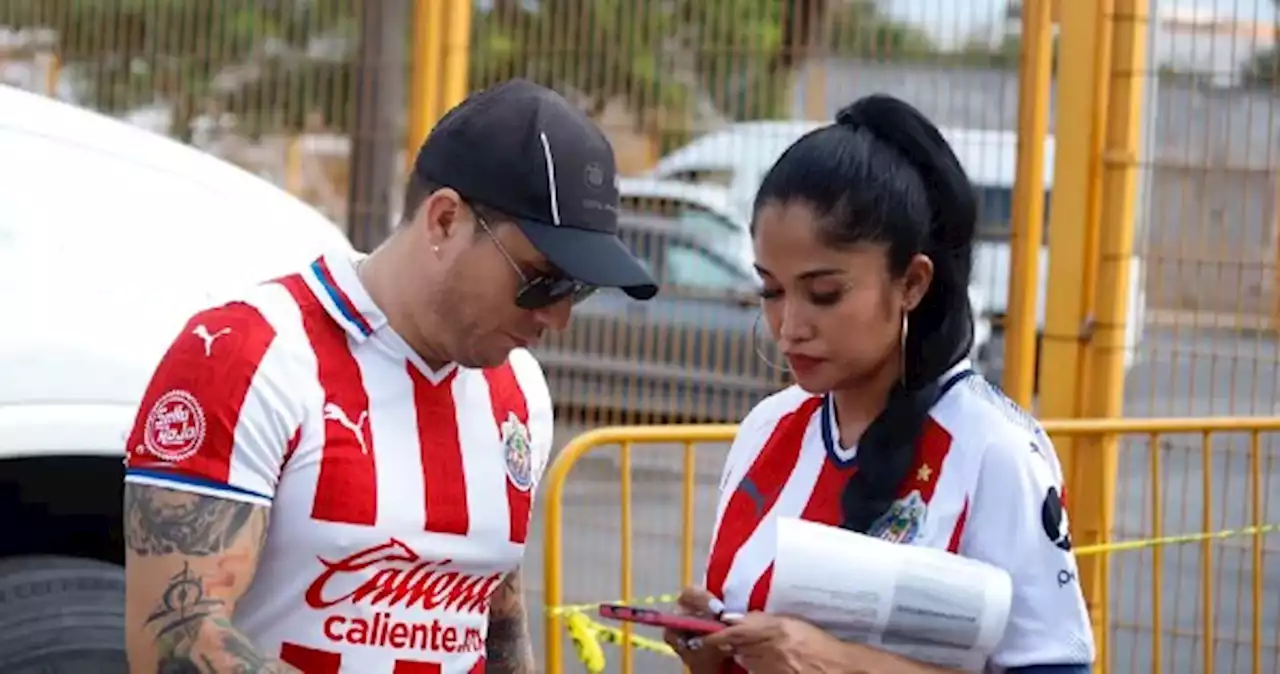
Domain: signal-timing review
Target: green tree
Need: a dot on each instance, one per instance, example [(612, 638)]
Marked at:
[(671, 57), (1263, 69), (193, 54), (276, 63), (860, 30), (1003, 55)]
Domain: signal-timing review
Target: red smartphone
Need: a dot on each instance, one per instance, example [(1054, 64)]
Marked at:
[(648, 616)]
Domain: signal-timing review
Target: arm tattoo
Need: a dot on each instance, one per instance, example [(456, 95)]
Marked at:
[(193, 637), (190, 621), (508, 649), (160, 521)]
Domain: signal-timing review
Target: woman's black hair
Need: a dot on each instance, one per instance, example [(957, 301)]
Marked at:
[(884, 174)]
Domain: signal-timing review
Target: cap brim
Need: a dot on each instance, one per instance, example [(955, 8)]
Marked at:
[(597, 258)]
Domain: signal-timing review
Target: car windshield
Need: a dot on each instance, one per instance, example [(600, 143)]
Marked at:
[(688, 267), (719, 232)]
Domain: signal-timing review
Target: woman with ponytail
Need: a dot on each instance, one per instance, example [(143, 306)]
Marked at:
[(863, 236)]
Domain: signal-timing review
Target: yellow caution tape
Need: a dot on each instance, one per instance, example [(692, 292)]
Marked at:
[(589, 635), (583, 634), (1125, 546)]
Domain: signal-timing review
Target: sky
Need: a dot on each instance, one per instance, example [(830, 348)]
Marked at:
[(952, 22)]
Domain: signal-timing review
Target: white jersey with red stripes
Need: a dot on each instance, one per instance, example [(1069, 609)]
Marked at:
[(986, 484), (400, 496)]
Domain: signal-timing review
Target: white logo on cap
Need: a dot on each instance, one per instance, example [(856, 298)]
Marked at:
[(551, 178)]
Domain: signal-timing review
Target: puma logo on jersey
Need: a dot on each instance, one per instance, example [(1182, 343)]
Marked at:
[(209, 338), (332, 411)]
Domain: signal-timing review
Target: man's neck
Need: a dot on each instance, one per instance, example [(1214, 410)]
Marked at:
[(378, 274)]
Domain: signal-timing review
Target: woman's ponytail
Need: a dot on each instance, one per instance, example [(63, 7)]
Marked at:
[(940, 332)]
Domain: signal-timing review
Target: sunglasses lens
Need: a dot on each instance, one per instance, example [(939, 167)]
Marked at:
[(544, 292)]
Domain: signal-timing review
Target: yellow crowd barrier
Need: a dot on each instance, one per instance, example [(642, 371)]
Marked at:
[(589, 636)]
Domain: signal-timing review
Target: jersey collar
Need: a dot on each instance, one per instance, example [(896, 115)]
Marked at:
[(335, 282), (334, 279), (845, 457)]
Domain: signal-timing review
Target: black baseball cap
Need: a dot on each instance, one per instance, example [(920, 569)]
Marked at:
[(524, 151)]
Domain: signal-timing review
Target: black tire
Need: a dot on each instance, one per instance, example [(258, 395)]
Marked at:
[(61, 615)]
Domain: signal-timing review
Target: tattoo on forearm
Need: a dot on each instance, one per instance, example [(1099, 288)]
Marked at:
[(214, 541), (193, 637), (160, 521), (183, 605), (246, 657), (508, 649)]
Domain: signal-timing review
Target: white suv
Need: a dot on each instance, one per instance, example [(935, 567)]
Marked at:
[(110, 236)]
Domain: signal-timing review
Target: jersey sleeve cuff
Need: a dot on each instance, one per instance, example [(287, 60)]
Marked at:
[(195, 485)]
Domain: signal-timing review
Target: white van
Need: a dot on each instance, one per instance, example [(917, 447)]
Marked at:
[(738, 157), (110, 236)]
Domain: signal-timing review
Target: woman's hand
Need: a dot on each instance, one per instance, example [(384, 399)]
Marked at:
[(695, 601), (773, 644)]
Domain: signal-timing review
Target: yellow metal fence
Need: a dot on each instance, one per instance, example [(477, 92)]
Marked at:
[(275, 87), (1187, 566)]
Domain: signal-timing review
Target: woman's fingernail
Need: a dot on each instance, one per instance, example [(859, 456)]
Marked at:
[(715, 606), (731, 617)]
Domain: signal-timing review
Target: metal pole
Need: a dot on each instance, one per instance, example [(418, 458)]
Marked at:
[(380, 89), (457, 56), (425, 82), (1066, 311), (1034, 77), (1084, 47), (1119, 166)]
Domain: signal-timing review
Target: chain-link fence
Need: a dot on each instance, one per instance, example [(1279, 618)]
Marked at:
[(324, 97)]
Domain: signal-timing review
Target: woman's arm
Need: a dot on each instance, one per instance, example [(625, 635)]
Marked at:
[(774, 644), (1019, 523), (861, 659)]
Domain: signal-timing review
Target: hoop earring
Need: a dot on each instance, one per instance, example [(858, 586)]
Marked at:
[(755, 345), (902, 347)]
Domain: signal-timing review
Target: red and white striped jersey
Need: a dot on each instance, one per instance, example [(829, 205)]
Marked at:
[(986, 484), (400, 496)]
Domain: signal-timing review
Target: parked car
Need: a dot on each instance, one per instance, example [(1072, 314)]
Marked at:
[(705, 210), (688, 355), (736, 158), (110, 236)]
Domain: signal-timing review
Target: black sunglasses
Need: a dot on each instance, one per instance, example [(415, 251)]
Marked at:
[(544, 291), (540, 291)]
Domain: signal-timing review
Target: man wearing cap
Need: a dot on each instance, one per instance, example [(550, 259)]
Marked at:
[(335, 472)]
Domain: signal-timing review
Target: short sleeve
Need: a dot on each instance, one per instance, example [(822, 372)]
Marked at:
[(215, 417), (746, 445), (1019, 523)]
